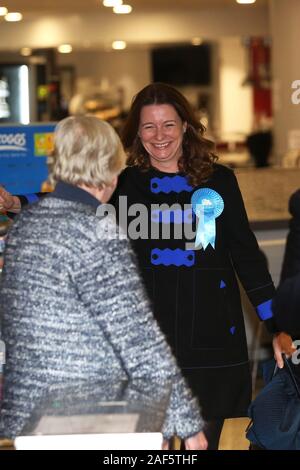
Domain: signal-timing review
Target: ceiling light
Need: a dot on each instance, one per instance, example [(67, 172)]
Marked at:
[(26, 51), (119, 45), (244, 2), (65, 48), (197, 41), (112, 3), (3, 11), (122, 9), (13, 16)]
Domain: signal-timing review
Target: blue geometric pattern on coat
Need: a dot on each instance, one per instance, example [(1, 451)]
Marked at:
[(177, 216), (264, 310), (222, 285), (232, 330), (167, 184), (169, 257)]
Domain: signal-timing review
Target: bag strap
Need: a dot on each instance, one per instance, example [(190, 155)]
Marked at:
[(291, 374)]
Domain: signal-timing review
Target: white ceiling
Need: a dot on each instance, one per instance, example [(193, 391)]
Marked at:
[(89, 6), (88, 24)]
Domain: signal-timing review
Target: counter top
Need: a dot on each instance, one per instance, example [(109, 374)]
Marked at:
[(266, 193)]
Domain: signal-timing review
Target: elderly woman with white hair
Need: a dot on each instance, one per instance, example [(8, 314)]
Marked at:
[(73, 308)]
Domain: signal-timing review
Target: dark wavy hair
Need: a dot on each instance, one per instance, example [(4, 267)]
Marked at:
[(198, 152)]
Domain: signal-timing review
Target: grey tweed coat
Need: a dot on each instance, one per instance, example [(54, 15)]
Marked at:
[(73, 309)]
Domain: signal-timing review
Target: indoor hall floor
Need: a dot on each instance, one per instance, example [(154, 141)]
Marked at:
[(233, 435)]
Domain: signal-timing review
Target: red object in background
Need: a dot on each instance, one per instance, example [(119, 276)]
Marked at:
[(260, 75), (262, 102)]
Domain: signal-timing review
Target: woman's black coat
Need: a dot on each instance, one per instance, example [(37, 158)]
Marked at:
[(196, 297)]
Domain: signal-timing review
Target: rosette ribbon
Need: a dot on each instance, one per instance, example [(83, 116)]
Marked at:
[(207, 204)]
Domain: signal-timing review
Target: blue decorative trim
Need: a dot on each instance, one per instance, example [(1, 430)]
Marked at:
[(169, 257), (222, 285), (232, 330), (264, 310), (31, 198), (177, 216), (167, 184)]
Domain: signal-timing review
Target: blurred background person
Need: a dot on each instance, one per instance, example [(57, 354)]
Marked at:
[(286, 303), (291, 260)]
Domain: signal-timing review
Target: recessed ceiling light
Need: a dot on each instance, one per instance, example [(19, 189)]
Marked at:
[(26, 51), (122, 9), (244, 2), (3, 11), (13, 16), (65, 48), (119, 45), (197, 41), (112, 3)]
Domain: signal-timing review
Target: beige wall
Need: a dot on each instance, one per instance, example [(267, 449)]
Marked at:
[(286, 68), (127, 69), (236, 111)]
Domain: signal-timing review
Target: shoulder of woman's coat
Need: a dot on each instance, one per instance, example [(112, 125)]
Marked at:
[(294, 204), (127, 173), (222, 173)]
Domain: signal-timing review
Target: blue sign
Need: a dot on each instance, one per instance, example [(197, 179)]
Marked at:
[(23, 156)]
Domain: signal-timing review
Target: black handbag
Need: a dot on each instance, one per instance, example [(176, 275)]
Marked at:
[(275, 412)]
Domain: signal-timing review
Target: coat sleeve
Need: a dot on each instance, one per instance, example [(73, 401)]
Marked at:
[(249, 261), (291, 260), (110, 288), (26, 199), (286, 305)]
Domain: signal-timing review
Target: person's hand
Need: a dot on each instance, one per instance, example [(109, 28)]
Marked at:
[(8, 202), (165, 445), (282, 344), (196, 442)]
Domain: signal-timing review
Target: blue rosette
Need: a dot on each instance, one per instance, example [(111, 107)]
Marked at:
[(207, 204)]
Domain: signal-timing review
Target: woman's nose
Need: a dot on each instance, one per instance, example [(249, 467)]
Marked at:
[(159, 133)]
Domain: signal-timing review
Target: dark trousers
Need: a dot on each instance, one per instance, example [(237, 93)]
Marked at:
[(212, 431)]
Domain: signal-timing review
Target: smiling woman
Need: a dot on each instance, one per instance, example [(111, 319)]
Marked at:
[(194, 290), (162, 125), (161, 133)]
